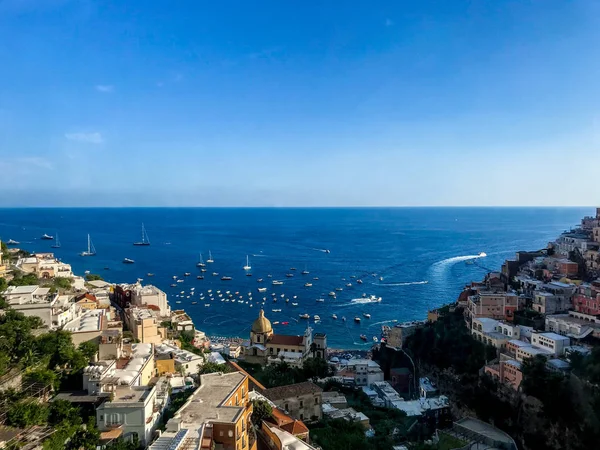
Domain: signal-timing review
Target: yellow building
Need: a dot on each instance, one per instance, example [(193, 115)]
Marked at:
[(142, 322), (87, 301), (218, 413), (165, 364)]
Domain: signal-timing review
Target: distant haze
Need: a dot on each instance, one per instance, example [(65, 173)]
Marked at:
[(280, 104)]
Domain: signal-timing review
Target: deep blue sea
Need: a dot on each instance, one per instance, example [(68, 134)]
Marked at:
[(405, 246)]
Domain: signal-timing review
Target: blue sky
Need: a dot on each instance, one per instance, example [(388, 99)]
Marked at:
[(297, 104)]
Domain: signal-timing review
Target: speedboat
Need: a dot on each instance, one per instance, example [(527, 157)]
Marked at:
[(320, 300), (275, 323), (307, 284), (173, 285), (482, 255), (339, 289), (12, 242), (348, 284), (289, 275), (327, 251), (276, 310), (186, 274), (277, 283), (333, 316), (200, 277), (292, 268), (203, 270), (305, 316), (226, 278), (46, 237), (305, 272), (262, 289), (178, 301), (128, 261), (269, 276), (285, 323), (260, 280), (248, 274), (194, 303), (359, 281), (357, 319), (317, 318), (215, 274), (149, 274), (367, 315), (380, 278), (180, 281), (294, 304), (315, 278), (332, 294)]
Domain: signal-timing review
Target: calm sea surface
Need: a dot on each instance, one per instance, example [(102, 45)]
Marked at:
[(419, 252)]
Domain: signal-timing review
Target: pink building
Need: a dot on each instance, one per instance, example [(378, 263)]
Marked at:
[(508, 372), (587, 299)]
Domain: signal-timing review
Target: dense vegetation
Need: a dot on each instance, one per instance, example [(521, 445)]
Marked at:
[(282, 374), (552, 412), (93, 277)]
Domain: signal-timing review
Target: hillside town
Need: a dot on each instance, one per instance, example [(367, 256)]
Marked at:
[(114, 366)]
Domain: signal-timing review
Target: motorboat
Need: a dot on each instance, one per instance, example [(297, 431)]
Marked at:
[(363, 337), (47, 237), (305, 272), (294, 304), (247, 266), (339, 289), (277, 283), (289, 275), (248, 274), (200, 277), (334, 317), (226, 278), (285, 323), (215, 274), (180, 281), (332, 294), (260, 280), (203, 270), (173, 285), (186, 274), (292, 268), (276, 323), (327, 251), (307, 284), (262, 289), (149, 274), (276, 310), (128, 261), (178, 301), (320, 300), (317, 318), (357, 319), (194, 303), (359, 281), (305, 316), (348, 284), (367, 315), (343, 319), (12, 242), (380, 278), (315, 278)]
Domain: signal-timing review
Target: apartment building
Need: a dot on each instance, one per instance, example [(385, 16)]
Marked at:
[(144, 324), (494, 304), (302, 401)]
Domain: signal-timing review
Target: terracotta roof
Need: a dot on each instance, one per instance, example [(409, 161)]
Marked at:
[(283, 339), (280, 418), (292, 390), (111, 434), (87, 296), (295, 427)]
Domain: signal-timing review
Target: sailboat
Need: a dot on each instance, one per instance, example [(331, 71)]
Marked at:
[(56, 243), (91, 250), (201, 262), (247, 266), (210, 260), (145, 240)]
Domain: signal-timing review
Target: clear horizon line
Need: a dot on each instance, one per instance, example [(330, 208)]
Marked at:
[(292, 207)]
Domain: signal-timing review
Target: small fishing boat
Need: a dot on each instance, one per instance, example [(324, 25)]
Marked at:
[(339, 289), (367, 315), (285, 323), (289, 275), (320, 300), (186, 274), (276, 323), (260, 280), (262, 289), (145, 240), (315, 278), (128, 261), (334, 317), (343, 319), (357, 319), (304, 316), (178, 301), (173, 285), (348, 284), (375, 339), (276, 310), (47, 237), (180, 281), (277, 283), (200, 277), (194, 303), (317, 318), (307, 284), (292, 268), (363, 337), (215, 274)]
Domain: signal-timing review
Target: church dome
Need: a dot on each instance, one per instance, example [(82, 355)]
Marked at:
[(262, 324)]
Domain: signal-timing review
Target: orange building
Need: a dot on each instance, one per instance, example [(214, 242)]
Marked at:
[(217, 414), (508, 372)]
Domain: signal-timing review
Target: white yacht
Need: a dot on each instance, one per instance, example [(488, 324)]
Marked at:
[(91, 251)]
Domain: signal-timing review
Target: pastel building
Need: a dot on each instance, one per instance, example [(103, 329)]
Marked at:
[(494, 304), (587, 299), (508, 372)]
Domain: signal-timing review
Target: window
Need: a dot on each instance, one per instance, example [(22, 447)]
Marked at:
[(101, 417), (221, 433), (316, 400), (257, 338), (301, 404), (286, 407), (301, 416), (278, 350), (285, 349)]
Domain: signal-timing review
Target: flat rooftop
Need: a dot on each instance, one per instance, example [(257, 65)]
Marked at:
[(555, 336), (128, 394), (289, 441), (90, 321), (206, 403)]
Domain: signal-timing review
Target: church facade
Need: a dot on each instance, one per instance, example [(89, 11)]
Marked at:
[(266, 347)]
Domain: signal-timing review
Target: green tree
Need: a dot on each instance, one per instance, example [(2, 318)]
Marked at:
[(62, 283), (93, 277), (260, 410), (43, 376), (3, 284), (27, 413), (211, 367), (23, 280), (316, 368), (64, 411), (89, 349)]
